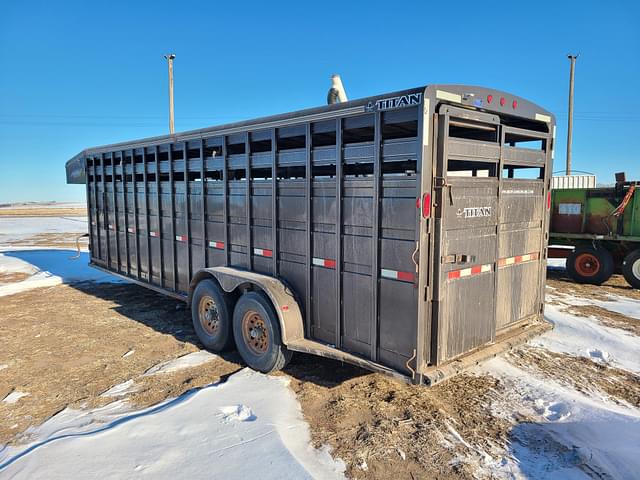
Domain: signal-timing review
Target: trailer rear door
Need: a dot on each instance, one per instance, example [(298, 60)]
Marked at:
[(467, 167)]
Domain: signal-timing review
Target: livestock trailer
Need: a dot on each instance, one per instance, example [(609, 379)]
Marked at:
[(603, 227), (405, 233)]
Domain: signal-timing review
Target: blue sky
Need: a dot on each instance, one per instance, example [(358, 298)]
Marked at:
[(80, 74)]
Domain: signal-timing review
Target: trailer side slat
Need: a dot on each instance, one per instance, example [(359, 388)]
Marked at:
[(274, 203), (172, 195), (203, 203), (308, 223), (147, 220), (339, 223), (375, 240)]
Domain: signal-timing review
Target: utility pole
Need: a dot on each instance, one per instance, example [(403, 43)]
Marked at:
[(170, 58), (572, 58)]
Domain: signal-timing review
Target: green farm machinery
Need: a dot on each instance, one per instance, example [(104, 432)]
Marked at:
[(603, 227)]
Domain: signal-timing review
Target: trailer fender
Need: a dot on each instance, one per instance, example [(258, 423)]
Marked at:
[(285, 304)]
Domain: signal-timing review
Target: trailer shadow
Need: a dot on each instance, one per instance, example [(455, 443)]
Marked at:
[(565, 449), (163, 314)]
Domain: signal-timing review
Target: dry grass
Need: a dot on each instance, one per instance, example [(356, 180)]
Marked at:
[(43, 212)]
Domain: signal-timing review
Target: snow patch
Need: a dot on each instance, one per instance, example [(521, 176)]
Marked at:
[(570, 433), (121, 389), (48, 268), (14, 396), (13, 229), (186, 361), (584, 336), (238, 413), (3, 366), (112, 442), (130, 352)]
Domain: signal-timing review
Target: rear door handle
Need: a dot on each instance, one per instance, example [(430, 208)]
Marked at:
[(458, 258)]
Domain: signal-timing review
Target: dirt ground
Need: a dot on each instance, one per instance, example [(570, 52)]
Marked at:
[(68, 344), (43, 212)]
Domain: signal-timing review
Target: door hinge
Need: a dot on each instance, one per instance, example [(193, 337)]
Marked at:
[(439, 182)]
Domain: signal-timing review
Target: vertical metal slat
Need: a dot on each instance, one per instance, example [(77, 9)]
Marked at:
[(225, 203), (123, 177), (338, 185), (187, 209), (274, 202), (247, 151), (203, 202), (105, 209), (115, 210), (97, 212), (375, 241), (159, 214), (135, 212), (146, 214), (174, 262), (309, 220)]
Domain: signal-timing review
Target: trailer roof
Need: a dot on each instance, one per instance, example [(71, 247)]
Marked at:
[(309, 114)]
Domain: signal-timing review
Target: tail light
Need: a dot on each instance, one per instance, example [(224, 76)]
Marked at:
[(514, 104), (489, 98), (426, 205), (549, 200), (502, 101)]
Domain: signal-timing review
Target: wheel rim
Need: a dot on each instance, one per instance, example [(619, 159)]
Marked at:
[(587, 264), (209, 315), (255, 333), (635, 269)]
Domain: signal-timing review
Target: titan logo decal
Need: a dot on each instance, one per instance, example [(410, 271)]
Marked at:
[(395, 102), (474, 212)]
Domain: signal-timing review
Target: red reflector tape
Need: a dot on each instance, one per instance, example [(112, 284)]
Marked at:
[(263, 252), (131, 230), (549, 200), (219, 245), (111, 227), (529, 257), (324, 262), (396, 275), (181, 238), (468, 272), (154, 234)]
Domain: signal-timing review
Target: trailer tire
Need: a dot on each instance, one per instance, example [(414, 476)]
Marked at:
[(211, 310), (256, 330), (590, 265), (631, 268)]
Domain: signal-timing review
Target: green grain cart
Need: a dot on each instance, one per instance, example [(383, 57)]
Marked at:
[(603, 226)]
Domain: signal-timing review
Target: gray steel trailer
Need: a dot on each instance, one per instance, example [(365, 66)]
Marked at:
[(405, 233)]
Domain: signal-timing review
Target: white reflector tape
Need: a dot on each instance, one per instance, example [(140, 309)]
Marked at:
[(396, 275), (543, 118), (131, 230), (181, 238), (154, 234), (111, 227), (263, 252), (469, 272), (529, 257), (219, 245), (450, 97), (324, 262)]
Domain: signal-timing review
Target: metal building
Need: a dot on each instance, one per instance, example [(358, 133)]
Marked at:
[(564, 182), (405, 233)]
